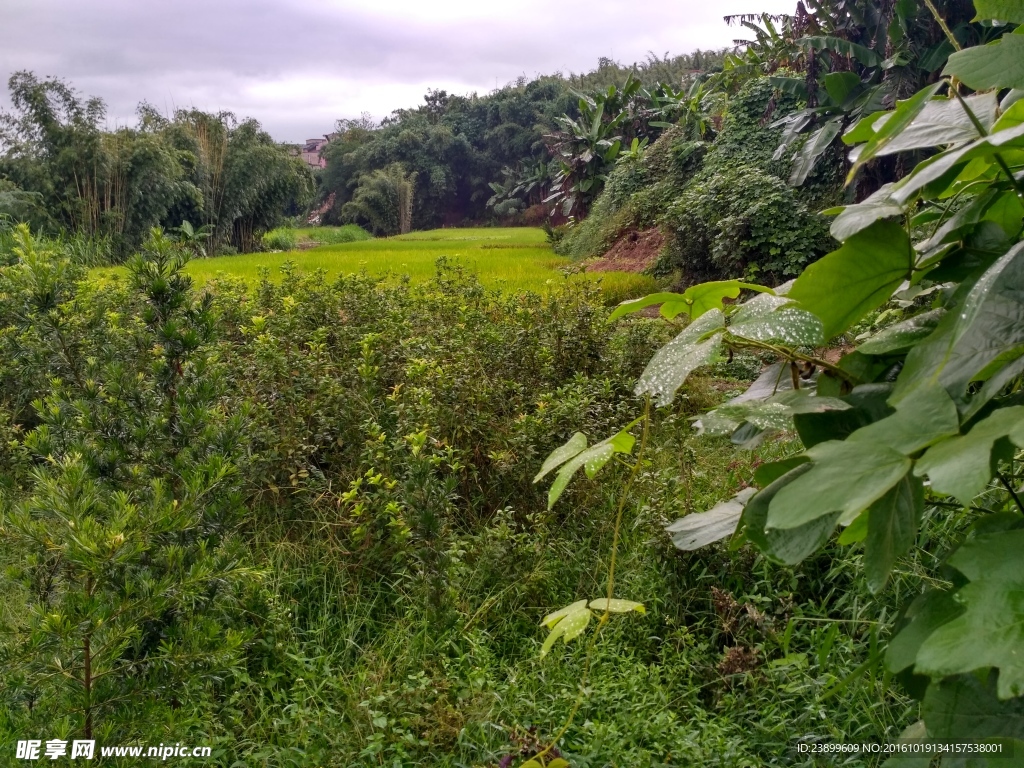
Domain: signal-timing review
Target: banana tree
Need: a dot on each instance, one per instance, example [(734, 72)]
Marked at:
[(851, 59), (524, 182), (585, 150)]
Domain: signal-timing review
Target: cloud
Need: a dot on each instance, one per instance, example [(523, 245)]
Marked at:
[(297, 67)]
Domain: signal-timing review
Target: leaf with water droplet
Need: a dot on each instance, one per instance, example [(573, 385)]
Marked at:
[(697, 345)]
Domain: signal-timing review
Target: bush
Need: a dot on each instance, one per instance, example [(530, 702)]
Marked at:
[(280, 239), (350, 233), (740, 220), (85, 250), (724, 207), (636, 194)]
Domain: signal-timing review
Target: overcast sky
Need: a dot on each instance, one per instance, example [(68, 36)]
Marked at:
[(298, 66)]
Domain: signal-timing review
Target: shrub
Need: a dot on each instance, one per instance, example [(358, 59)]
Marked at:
[(350, 233), (636, 194), (85, 250), (739, 219), (280, 239), (128, 560), (725, 207)]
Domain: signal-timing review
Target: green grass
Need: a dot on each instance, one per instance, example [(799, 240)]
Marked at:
[(515, 259), (331, 235)]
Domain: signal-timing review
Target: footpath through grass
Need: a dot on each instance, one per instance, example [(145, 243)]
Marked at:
[(516, 259)]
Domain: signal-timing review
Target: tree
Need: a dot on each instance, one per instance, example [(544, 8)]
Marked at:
[(384, 201), (848, 59), (130, 568)]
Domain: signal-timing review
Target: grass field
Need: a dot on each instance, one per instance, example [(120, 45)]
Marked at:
[(513, 258)]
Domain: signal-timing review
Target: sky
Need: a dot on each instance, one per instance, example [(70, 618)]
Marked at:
[(299, 66)]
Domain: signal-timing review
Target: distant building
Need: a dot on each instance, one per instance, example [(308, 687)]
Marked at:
[(311, 151)]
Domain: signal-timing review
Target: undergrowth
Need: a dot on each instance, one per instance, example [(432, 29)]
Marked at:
[(401, 557)]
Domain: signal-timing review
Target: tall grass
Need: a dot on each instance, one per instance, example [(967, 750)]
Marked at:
[(280, 239), (349, 233)]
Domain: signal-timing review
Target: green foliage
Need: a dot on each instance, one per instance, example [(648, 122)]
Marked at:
[(383, 200), (636, 194), (850, 61), (936, 397), (477, 155), (280, 239), (722, 205), (996, 65), (349, 233), (738, 219), (228, 176), (125, 530), (369, 446)]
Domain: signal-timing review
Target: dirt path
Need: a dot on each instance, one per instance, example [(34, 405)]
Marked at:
[(633, 252)]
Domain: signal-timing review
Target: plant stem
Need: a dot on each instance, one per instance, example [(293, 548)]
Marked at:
[(623, 495), (984, 132), (942, 23), (588, 659), (1013, 493), (793, 355)]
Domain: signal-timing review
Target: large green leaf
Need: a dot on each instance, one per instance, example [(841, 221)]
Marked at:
[(928, 612), (843, 47), (768, 473), (674, 362), (864, 128), (848, 283), (772, 380), (651, 300), (845, 477), (615, 605), (795, 86), (694, 301), (963, 220), (854, 218), (788, 546), (991, 555), (996, 65), (1000, 10), (788, 326), (903, 335), (869, 404), (919, 421), (1012, 116), (943, 122), (989, 325), (966, 709), (887, 132), (1006, 210), (576, 444), (553, 618), (962, 465), (815, 146), (942, 165), (841, 85), (892, 529), (990, 632), (567, 623), (777, 413), (702, 528), (591, 459), (701, 298)]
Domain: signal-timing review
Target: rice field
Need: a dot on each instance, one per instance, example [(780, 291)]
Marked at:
[(516, 259)]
